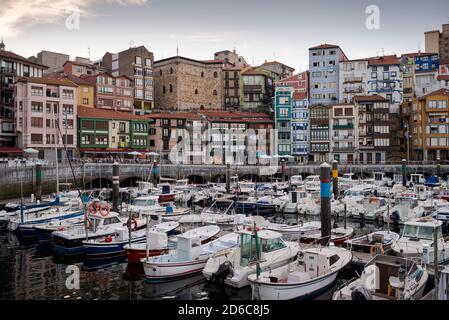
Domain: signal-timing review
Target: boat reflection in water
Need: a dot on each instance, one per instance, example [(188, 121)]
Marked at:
[(190, 288)]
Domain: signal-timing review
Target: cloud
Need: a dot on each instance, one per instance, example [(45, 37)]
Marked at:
[(207, 36), (17, 15)]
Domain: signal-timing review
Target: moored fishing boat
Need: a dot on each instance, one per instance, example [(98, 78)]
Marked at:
[(314, 271), (396, 279), (233, 266), (188, 258), (338, 236), (112, 245)]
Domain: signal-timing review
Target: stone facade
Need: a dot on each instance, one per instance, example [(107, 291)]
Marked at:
[(53, 60), (187, 84)]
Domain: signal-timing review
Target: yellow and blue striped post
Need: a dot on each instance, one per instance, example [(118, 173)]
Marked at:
[(335, 178), (325, 192)]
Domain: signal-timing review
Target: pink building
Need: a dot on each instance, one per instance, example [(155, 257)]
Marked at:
[(113, 93), (299, 82), (43, 105)]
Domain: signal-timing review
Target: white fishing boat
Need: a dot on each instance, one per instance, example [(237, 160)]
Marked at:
[(418, 234), (44, 232), (312, 183), (296, 182), (144, 204), (189, 258), (70, 241), (314, 271), (386, 278), (113, 245), (233, 266), (406, 208), (369, 208), (296, 231)]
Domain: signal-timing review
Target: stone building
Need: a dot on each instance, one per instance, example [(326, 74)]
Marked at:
[(53, 60), (187, 84)]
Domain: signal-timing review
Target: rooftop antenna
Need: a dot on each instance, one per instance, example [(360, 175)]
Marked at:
[(131, 43), (419, 47), (177, 50), (88, 51), (383, 52)]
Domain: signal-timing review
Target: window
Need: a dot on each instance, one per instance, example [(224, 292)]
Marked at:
[(101, 139), (374, 75), (202, 74), (67, 108), (269, 245), (37, 91), (147, 62), (138, 60), (152, 131), (36, 138), (85, 101), (163, 89), (215, 74), (37, 122), (215, 93), (67, 94), (171, 88), (37, 106), (171, 70), (196, 91)]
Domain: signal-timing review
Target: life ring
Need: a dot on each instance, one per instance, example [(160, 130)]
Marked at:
[(377, 249), (104, 210), (133, 224), (91, 209)]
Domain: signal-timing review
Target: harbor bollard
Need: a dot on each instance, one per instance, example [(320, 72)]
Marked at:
[(404, 172), (38, 182), (335, 178), (115, 186), (325, 193)]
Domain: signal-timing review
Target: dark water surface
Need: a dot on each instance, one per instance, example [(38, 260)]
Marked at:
[(31, 271)]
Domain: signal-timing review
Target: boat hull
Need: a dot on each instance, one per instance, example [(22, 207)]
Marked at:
[(297, 291), (136, 255), (165, 271), (103, 250)]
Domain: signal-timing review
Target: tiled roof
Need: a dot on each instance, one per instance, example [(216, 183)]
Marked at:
[(49, 81), (384, 60), (189, 59), (324, 46), (269, 63), (443, 77), (85, 112), (299, 95), (373, 98), (440, 92), (175, 115), (252, 72), (14, 56), (74, 79), (77, 63), (233, 115)]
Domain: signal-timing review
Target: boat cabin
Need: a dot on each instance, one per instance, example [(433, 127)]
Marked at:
[(315, 262), (397, 178), (417, 178), (379, 176), (144, 187), (296, 180), (147, 201), (254, 248), (97, 221), (183, 183), (422, 229)]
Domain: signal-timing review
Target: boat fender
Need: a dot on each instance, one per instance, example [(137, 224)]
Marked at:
[(132, 224), (361, 294), (376, 249), (104, 210), (108, 239)]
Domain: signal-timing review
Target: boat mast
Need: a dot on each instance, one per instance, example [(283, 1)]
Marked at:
[(435, 260)]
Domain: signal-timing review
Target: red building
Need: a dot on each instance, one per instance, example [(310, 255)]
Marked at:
[(114, 93)]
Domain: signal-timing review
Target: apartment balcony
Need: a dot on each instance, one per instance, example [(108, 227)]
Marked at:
[(353, 90), (52, 95), (343, 138), (252, 88), (343, 126), (7, 71), (343, 149), (284, 141), (353, 79), (366, 147), (123, 144), (284, 129)]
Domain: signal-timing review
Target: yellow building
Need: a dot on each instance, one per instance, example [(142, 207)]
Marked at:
[(428, 118), (85, 91)]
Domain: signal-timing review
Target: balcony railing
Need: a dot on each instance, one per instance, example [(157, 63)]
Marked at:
[(343, 149), (343, 138), (353, 90), (353, 79), (366, 147), (343, 126)]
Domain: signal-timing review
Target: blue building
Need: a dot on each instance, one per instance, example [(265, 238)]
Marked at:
[(300, 126), (283, 120), (426, 73), (324, 62)]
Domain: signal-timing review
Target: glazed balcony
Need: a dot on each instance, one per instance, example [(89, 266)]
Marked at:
[(343, 126)]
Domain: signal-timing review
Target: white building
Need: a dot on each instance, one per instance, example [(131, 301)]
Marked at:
[(344, 133)]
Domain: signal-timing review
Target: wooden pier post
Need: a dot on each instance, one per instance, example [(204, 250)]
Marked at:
[(38, 182), (404, 172), (228, 178), (325, 187)]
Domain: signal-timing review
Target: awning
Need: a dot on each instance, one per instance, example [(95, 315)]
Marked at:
[(110, 151), (15, 150)]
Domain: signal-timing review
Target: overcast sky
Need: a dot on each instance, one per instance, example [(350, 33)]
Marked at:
[(258, 29)]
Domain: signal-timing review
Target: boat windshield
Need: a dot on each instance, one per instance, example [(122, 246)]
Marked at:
[(353, 193), (248, 249), (269, 245), (144, 202), (94, 225), (420, 232)]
